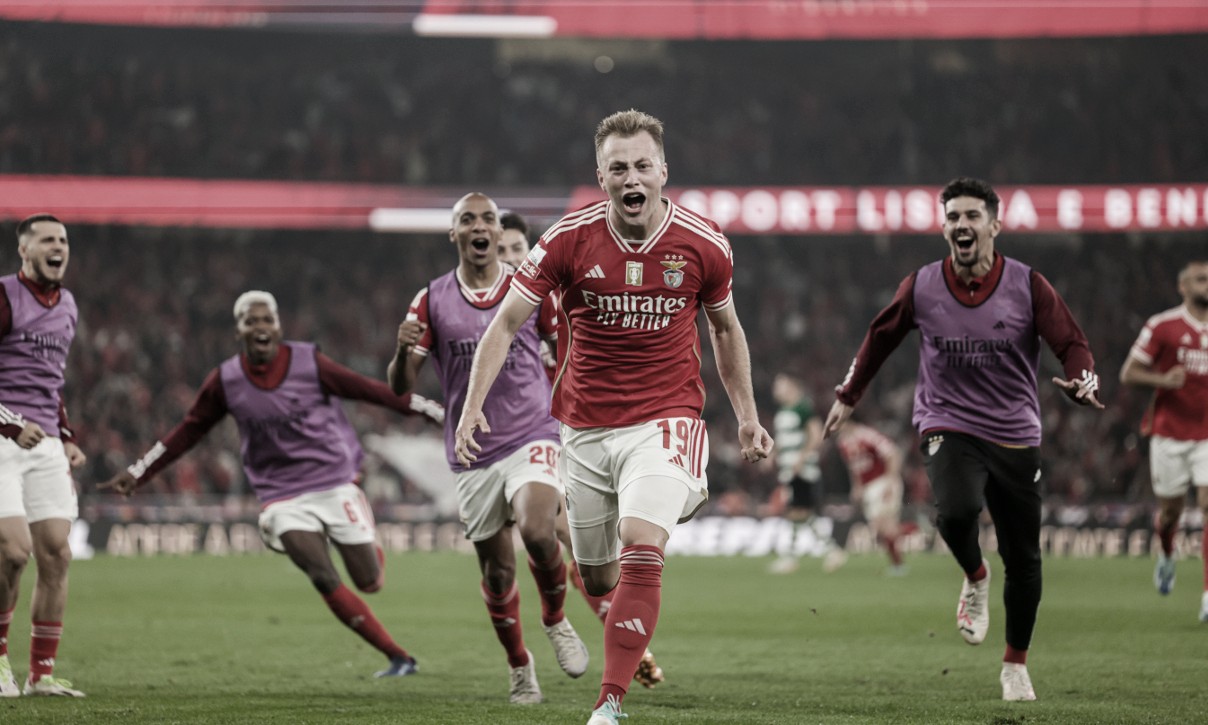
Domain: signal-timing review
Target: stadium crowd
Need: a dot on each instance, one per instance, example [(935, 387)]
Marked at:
[(368, 108)]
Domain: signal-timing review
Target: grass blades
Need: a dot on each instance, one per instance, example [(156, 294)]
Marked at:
[(245, 639)]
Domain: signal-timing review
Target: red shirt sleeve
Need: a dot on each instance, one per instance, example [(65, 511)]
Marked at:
[(888, 329), (209, 408), (547, 317), (544, 269), (1057, 327), (337, 380), (65, 431)]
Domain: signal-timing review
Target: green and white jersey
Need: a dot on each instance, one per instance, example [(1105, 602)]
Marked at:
[(790, 437)]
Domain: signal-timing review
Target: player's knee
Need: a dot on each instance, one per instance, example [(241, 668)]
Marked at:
[(499, 579), (958, 517), (13, 559), (325, 581), (373, 586)]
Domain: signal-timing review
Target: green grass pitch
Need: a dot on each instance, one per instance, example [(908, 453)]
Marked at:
[(246, 640)]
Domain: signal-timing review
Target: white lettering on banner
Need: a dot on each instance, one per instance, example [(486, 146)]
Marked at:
[(761, 210), (1021, 212), (1180, 207), (878, 210), (1149, 208), (1117, 208), (1069, 209), (917, 210)]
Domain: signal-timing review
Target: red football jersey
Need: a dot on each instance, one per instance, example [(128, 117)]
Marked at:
[(866, 451), (628, 346), (1172, 338)]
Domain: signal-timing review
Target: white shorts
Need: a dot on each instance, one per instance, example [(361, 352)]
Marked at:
[(1175, 465), (484, 495), (654, 471), (36, 483), (882, 498), (341, 514)]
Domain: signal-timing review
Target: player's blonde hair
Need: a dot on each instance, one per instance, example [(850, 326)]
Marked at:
[(254, 297), (630, 123)]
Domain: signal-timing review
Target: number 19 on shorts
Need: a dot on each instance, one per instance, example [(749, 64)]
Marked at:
[(684, 440)]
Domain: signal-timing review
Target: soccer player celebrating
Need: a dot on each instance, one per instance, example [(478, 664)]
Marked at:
[(634, 271), (874, 463), (37, 448), (980, 317), (1171, 356), (515, 479), (301, 456), (513, 247)]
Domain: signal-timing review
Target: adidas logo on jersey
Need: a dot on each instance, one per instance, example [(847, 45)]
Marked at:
[(633, 625), (594, 273), (1000, 325)]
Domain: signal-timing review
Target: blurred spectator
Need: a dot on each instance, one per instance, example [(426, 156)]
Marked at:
[(366, 107)]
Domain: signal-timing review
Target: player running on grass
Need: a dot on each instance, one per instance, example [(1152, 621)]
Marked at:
[(635, 271), (513, 248), (980, 317), (302, 459), (37, 448), (515, 480), (1171, 356)]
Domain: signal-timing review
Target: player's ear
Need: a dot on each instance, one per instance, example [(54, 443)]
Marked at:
[(600, 177)]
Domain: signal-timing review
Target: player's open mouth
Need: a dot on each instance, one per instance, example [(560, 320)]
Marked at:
[(633, 202), (55, 262), (481, 245), (964, 242), (262, 339)]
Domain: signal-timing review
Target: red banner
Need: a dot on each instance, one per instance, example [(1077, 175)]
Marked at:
[(796, 210), (818, 19), (786, 210), (675, 19)]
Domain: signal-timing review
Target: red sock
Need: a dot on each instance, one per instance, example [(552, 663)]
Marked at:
[(505, 615), (599, 605), (631, 618), (354, 612), (551, 585), (43, 645), (6, 618), (891, 546), (979, 574), (1166, 534), (1015, 656)]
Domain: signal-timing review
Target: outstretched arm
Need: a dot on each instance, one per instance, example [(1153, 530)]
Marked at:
[(209, 408), (734, 368), (885, 333), (488, 359), (342, 382)]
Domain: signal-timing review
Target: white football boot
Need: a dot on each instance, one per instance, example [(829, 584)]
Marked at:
[(973, 609)]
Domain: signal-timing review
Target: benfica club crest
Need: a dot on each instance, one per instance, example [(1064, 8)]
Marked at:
[(673, 275)]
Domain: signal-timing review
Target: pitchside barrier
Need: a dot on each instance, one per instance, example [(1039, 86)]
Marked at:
[(1077, 532)]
